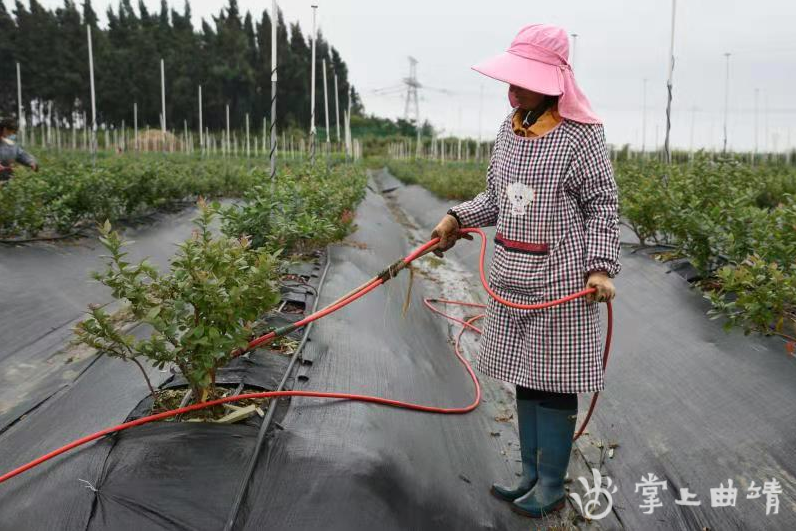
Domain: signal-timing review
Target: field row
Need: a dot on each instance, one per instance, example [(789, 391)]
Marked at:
[(219, 282), (70, 191)]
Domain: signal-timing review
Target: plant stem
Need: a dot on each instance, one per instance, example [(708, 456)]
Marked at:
[(146, 377), (785, 336)]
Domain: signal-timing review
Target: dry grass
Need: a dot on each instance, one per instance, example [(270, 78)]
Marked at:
[(169, 399), (153, 140)]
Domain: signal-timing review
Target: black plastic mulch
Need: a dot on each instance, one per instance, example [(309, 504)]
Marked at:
[(159, 476), (330, 464), (354, 466), (685, 401), (44, 290)]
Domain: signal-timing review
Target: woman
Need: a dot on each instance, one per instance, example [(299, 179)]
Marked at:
[(551, 193)]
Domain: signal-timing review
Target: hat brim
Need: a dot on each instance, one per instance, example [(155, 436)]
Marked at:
[(526, 73)]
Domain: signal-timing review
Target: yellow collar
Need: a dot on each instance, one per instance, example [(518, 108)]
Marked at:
[(545, 123)]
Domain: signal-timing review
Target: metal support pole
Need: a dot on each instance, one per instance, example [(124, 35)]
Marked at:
[(163, 101), (326, 103), (754, 154), (93, 95), (274, 22), (667, 155), (201, 130), (336, 108), (726, 97), (20, 116), (313, 132), (574, 49), (229, 138), (248, 148), (644, 119)]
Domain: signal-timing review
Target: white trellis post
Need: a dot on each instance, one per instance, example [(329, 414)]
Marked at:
[(163, 101), (312, 89), (201, 134), (93, 95), (229, 138), (20, 116), (336, 108), (248, 149), (326, 104)]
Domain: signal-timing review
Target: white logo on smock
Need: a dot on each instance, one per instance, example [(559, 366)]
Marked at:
[(520, 195)]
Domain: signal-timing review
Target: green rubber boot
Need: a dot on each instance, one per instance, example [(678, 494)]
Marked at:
[(526, 422), (555, 429)]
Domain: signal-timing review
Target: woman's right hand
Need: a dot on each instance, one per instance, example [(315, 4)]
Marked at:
[(447, 230)]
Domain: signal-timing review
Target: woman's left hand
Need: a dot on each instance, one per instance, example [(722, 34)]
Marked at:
[(604, 286)]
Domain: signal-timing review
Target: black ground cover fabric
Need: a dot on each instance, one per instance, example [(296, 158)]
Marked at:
[(158, 476), (332, 465), (354, 466), (684, 400), (44, 290)]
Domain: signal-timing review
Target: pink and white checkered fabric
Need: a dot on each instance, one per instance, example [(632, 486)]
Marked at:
[(555, 203)]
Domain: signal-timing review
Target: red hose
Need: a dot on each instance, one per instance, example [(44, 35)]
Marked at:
[(367, 288)]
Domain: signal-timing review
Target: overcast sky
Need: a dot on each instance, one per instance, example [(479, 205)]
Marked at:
[(619, 44)]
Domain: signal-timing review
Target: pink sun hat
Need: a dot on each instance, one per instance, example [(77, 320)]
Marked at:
[(537, 61)]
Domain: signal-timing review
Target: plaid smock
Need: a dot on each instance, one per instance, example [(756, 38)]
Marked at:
[(555, 203)]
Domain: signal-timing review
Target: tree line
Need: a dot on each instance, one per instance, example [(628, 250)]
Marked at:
[(229, 56)]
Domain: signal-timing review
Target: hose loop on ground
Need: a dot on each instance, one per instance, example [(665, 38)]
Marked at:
[(346, 299)]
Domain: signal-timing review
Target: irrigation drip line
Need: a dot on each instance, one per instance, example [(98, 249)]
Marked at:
[(269, 415), (359, 292)]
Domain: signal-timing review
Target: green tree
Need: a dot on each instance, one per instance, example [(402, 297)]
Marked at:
[(8, 73), (229, 55)]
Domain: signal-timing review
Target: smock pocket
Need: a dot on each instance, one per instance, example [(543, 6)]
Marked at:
[(520, 266)]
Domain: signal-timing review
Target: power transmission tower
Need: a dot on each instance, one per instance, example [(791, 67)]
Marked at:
[(412, 84)]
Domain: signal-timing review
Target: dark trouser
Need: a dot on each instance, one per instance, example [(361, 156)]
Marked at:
[(548, 399)]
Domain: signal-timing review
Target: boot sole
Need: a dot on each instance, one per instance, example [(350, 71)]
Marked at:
[(501, 497), (531, 514)]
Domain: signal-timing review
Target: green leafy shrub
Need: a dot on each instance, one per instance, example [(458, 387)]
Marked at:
[(23, 206), (200, 312), (301, 209), (756, 296), (70, 190), (643, 201), (452, 180)]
